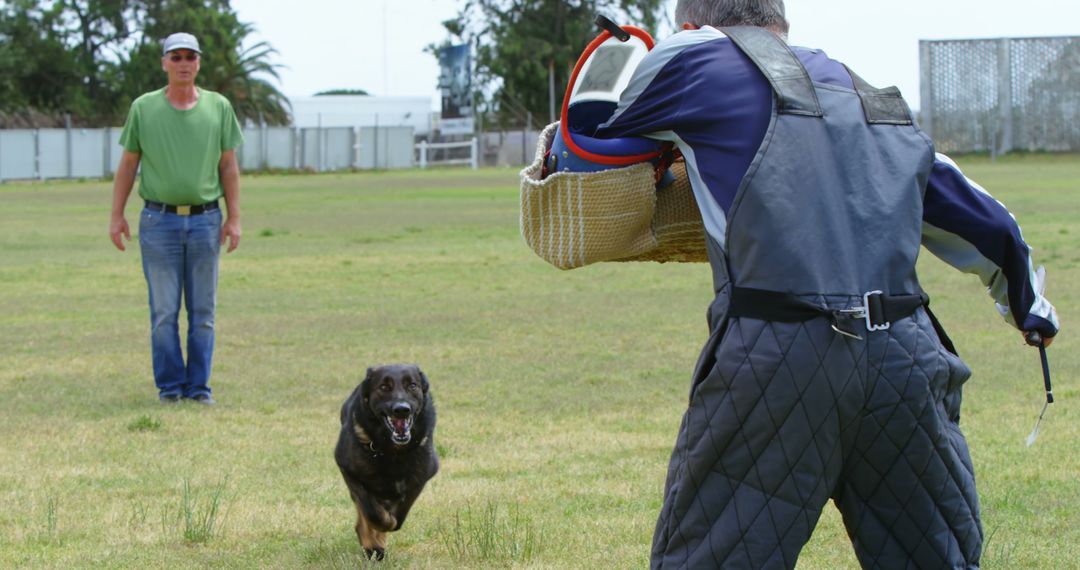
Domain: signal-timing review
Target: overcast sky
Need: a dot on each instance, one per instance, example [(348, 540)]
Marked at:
[(377, 45)]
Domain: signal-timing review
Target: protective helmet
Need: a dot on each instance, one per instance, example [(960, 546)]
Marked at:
[(592, 94)]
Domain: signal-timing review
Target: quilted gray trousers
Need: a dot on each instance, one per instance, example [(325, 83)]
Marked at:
[(785, 416)]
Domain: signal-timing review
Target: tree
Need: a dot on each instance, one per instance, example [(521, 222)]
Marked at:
[(518, 43), (91, 58), (342, 92), (94, 32), (37, 71), (241, 74)]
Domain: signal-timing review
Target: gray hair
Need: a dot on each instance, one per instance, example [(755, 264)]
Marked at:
[(761, 13)]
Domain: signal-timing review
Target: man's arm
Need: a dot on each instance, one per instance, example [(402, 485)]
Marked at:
[(970, 230), (229, 171), (122, 183)]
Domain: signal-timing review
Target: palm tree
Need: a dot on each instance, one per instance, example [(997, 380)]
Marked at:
[(244, 78)]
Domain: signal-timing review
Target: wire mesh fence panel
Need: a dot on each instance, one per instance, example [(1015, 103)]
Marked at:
[(1004, 94), (339, 152), (250, 154), (1046, 93), (311, 149), (385, 147), (53, 159), (18, 155), (88, 158), (280, 147), (113, 151)]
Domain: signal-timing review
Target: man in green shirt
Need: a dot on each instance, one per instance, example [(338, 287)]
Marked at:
[(185, 139)]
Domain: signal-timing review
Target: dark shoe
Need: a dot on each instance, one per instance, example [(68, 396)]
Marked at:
[(169, 399), (203, 399)]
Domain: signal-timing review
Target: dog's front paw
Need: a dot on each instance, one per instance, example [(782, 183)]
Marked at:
[(375, 553)]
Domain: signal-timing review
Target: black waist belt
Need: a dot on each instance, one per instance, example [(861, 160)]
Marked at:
[(878, 310), (183, 210)]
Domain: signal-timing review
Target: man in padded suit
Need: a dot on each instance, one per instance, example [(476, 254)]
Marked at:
[(825, 375)]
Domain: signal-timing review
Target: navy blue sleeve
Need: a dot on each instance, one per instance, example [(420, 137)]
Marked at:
[(970, 230)]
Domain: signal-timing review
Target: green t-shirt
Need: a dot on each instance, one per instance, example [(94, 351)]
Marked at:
[(180, 149)]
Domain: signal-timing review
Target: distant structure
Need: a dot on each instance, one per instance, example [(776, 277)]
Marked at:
[(364, 111), (1001, 95)]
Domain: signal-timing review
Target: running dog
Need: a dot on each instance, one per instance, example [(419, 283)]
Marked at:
[(385, 450)]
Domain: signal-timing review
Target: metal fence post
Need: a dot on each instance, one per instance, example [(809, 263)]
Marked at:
[(1004, 96), (106, 151), (264, 148), (423, 153), (320, 162), (68, 146), (525, 138), (354, 145), (475, 149), (375, 145), (37, 155), (926, 94), (300, 142)]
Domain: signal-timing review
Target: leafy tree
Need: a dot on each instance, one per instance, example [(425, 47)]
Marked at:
[(91, 58), (36, 69), (94, 31), (342, 92), (240, 74), (517, 44)]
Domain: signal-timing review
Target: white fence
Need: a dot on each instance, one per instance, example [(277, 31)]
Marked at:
[(39, 154), (326, 149), (424, 148), (58, 153), (29, 154)]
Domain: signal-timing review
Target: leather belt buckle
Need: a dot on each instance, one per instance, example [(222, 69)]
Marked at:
[(183, 210)]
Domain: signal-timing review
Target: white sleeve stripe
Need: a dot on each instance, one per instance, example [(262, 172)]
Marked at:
[(964, 256), (959, 253), (712, 215)]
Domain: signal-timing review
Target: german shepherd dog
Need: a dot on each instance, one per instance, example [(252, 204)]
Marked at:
[(385, 450)]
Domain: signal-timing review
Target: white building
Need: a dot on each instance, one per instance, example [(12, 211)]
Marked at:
[(363, 111)]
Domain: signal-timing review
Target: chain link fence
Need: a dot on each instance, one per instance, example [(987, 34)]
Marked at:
[(1001, 95)]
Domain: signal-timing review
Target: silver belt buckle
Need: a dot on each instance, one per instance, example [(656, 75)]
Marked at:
[(866, 316)]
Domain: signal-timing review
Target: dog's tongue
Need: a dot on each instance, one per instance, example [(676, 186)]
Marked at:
[(399, 425)]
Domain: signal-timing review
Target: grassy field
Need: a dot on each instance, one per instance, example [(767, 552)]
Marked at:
[(559, 393)]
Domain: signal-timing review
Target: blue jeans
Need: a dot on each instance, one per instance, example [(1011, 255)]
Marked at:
[(180, 257)]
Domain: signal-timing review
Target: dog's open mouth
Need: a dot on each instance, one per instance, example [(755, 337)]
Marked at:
[(400, 429)]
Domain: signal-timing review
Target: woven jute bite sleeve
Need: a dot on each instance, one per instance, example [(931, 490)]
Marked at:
[(573, 219)]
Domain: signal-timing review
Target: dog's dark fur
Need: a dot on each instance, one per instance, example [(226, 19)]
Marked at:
[(385, 450)]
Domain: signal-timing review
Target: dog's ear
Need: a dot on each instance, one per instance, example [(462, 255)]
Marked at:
[(424, 385), (365, 386)]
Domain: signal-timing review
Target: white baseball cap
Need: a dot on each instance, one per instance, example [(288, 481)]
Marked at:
[(180, 40)]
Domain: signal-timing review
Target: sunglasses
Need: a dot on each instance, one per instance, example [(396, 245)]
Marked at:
[(189, 57)]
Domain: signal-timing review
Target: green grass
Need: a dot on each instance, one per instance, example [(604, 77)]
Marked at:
[(201, 521), (145, 423), (559, 393), (486, 534)]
